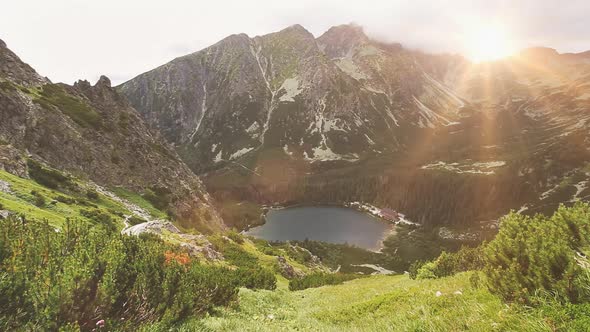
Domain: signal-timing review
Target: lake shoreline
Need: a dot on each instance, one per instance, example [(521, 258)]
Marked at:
[(302, 225)]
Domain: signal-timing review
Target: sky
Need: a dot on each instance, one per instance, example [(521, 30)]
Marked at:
[(67, 40)]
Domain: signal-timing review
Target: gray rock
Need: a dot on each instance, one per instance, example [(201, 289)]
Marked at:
[(4, 214), (286, 269)]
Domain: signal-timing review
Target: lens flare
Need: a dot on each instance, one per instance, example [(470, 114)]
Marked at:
[(488, 43)]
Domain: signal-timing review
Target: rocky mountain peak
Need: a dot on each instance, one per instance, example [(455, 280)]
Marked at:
[(103, 81), (294, 31), (13, 69), (539, 53), (350, 31), (340, 40)]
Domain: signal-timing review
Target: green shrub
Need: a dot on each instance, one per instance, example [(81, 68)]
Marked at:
[(133, 220), (38, 199), (100, 217), (255, 278), (92, 194), (54, 96), (48, 177), (532, 254), (158, 196), (235, 236), (81, 274), (413, 269), (427, 271), (234, 254), (320, 279), (447, 264), (65, 200)]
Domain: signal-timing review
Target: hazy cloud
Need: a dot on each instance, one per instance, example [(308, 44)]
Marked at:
[(71, 39)]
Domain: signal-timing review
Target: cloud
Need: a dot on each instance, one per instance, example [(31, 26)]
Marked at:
[(71, 39)]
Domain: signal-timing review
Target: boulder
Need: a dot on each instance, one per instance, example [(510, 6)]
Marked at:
[(4, 214), (286, 269)]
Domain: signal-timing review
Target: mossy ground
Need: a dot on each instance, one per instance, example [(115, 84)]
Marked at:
[(377, 303)]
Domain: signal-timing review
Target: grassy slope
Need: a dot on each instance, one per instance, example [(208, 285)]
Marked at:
[(21, 201), (378, 303)]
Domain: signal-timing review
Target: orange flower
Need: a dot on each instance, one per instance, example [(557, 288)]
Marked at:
[(180, 258)]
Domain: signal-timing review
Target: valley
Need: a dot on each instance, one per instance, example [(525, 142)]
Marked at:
[(289, 181)]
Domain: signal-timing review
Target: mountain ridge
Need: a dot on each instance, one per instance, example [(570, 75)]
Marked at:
[(93, 133), (274, 109)]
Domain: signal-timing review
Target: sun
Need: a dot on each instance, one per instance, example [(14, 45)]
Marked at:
[(488, 43)]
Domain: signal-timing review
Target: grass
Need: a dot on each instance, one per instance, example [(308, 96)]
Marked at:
[(52, 95), (138, 200), (21, 200), (377, 303)]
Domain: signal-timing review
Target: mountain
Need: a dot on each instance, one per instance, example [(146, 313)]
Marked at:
[(92, 133), (290, 118)]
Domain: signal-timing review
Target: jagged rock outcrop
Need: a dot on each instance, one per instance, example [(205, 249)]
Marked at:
[(286, 269), (93, 133), (194, 245)]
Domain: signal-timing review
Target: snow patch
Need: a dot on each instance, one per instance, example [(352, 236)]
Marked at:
[(240, 153), (483, 168), (218, 157), (349, 67), (291, 87), (429, 117), (286, 149), (254, 127), (580, 187)]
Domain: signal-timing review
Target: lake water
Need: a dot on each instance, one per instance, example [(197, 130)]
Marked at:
[(323, 223)]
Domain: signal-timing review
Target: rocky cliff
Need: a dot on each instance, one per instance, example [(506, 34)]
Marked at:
[(93, 133)]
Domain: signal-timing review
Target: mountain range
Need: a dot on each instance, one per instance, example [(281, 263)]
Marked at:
[(289, 118)]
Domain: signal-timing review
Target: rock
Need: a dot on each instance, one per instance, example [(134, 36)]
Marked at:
[(206, 251), (103, 81), (154, 227), (194, 245), (112, 147), (2, 44), (13, 162), (286, 269), (4, 214), (270, 316), (438, 293), (5, 187)]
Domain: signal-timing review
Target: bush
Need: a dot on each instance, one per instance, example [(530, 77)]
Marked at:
[(447, 264), (38, 199), (100, 217), (158, 196), (532, 254), (414, 267), (320, 279), (81, 274), (92, 194), (234, 254), (54, 96), (65, 200), (235, 236), (133, 220), (255, 278), (48, 177)]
